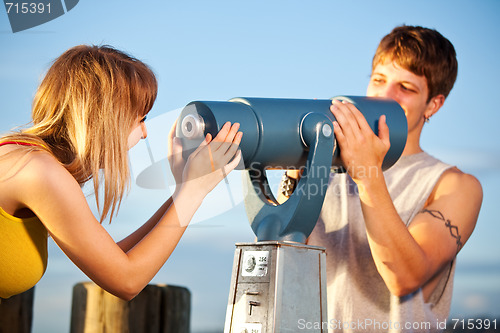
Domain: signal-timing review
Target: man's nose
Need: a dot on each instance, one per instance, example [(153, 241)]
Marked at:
[(388, 91)]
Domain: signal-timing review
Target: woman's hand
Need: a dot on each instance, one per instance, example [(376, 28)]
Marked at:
[(175, 159), (362, 151), (210, 162)]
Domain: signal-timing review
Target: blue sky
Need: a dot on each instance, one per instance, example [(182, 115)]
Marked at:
[(216, 50)]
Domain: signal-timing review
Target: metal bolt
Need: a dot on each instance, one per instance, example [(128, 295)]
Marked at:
[(327, 130)]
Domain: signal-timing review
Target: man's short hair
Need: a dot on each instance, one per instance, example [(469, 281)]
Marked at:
[(421, 51)]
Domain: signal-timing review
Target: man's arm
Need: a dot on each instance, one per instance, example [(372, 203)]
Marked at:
[(293, 175), (406, 258)]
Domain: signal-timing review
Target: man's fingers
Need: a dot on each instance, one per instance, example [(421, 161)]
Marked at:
[(360, 118), (383, 131), (345, 119), (339, 134)]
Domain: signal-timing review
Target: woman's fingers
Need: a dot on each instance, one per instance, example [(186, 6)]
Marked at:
[(174, 154), (217, 152), (202, 145), (234, 146), (220, 138), (227, 150), (234, 163), (226, 143), (225, 138), (176, 148), (171, 136)]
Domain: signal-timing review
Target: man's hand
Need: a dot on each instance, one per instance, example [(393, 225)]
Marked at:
[(362, 151)]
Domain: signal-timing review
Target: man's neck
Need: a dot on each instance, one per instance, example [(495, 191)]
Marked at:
[(412, 144), (411, 150)]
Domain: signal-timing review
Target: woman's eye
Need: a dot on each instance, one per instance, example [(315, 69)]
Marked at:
[(144, 119)]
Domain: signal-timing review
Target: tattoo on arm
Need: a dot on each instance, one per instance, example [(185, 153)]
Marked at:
[(453, 229)]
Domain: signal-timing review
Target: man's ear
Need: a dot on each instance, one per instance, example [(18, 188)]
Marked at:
[(434, 105)]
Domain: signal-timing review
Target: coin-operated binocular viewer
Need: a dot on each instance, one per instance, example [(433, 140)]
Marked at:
[(279, 280)]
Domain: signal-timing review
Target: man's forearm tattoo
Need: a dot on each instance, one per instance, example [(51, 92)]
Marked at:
[(453, 229)]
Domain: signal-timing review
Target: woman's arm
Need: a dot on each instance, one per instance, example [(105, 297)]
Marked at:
[(177, 165), (131, 240), (53, 194)]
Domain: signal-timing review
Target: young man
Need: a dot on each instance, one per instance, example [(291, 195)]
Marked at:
[(392, 237)]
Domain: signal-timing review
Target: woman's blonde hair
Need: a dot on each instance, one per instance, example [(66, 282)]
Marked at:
[(84, 111)]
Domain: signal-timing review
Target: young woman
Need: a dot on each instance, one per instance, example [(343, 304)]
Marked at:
[(88, 111)]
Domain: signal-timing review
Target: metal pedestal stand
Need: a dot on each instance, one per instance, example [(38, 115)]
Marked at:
[(276, 287)]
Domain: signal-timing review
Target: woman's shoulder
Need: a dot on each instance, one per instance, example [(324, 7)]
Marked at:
[(28, 176), (22, 166)]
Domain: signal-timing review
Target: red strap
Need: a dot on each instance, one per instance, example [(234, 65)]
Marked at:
[(22, 143)]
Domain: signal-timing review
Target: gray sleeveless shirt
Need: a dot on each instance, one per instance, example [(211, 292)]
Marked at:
[(358, 299)]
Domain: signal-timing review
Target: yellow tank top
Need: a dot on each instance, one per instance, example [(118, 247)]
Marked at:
[(23, 253)]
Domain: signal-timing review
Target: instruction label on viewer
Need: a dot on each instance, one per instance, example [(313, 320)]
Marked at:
[(255, 263)]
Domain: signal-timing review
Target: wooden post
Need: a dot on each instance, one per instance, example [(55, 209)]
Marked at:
[(158, 309), (16, 313)]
